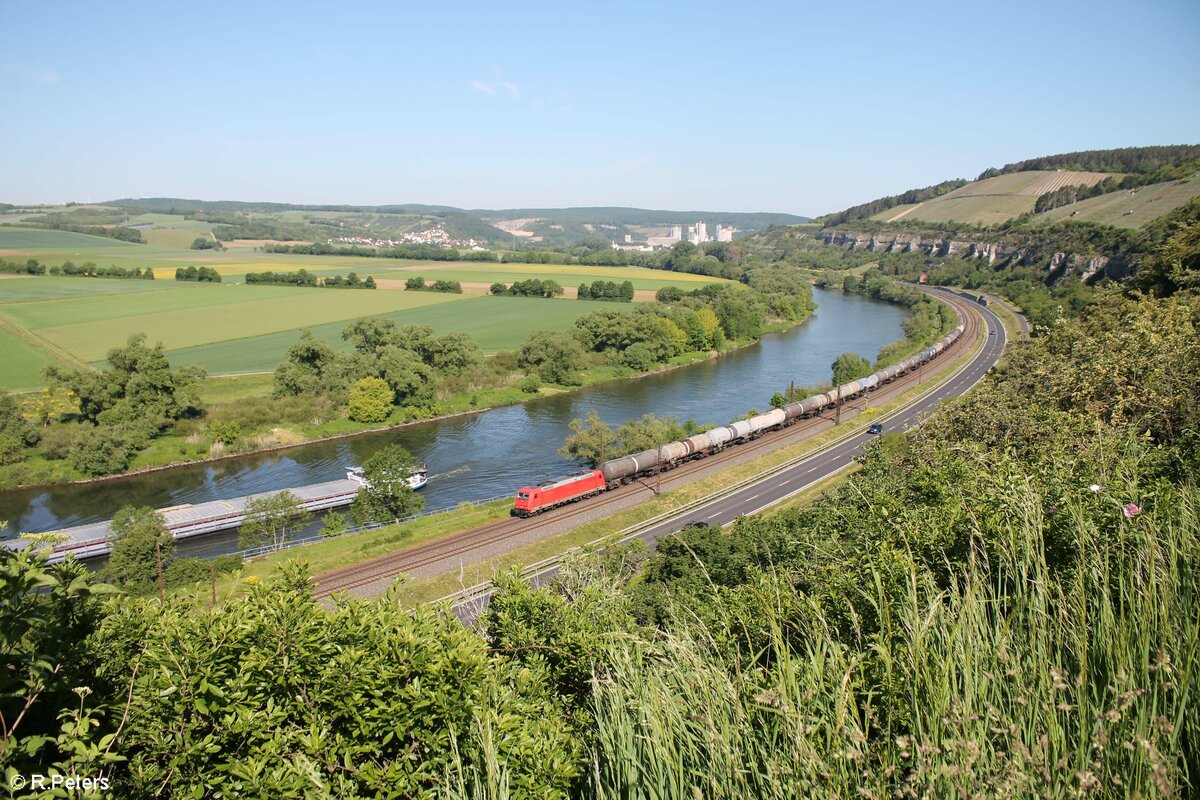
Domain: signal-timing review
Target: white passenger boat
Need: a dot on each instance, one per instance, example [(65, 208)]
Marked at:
[(417, 480)]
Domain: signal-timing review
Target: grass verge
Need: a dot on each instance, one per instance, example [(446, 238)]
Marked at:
[(1008, 317)]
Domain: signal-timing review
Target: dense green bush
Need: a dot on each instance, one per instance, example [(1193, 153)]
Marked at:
[(275, 696), (102, 451)]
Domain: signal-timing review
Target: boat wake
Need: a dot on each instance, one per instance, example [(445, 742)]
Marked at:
[(456, 471)]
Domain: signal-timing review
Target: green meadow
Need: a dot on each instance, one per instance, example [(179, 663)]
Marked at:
[(36, 240), (199, 314), (24, 289), (20, 363)]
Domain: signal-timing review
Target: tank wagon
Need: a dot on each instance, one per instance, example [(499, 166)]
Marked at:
[(532, 500)]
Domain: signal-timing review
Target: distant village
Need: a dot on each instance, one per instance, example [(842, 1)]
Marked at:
[(696, 234), (436, 236)]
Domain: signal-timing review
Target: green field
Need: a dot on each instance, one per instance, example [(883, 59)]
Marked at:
[(34, 240), (993, 200), (201, 314), (28, 289), (171, 230), (237, 328), (172, 221), (497, 323), (1128, 210), (20, 364), (231, 327)]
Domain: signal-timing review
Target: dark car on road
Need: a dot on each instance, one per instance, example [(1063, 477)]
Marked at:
[(875, 429)]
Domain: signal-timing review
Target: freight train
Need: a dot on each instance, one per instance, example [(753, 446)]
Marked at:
[(544, 496)]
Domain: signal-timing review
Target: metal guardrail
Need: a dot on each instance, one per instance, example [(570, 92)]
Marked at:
[(262, 550)]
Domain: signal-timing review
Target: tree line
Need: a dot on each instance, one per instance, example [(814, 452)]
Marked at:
[(715, 259), (199, 274), (1143, 165), (407, 367), (1171, 162), (423, 252), (118, 232), (874, 207), (69, 269), (653, 334), (928, 321), (607, 290), (418, 284), (1066, 195), (533, 287), (303, 277)]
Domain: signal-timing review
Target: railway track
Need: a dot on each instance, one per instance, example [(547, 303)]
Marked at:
[(392, 564)]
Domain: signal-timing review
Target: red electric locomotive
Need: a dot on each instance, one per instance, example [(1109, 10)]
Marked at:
[(535, 499)]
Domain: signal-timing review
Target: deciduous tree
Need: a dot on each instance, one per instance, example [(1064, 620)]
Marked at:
[(370, 400), (387, 495), (849, 367), (138, 387), (591, 441), (452, 353), (139, 540), (269, 520), (554, 356), (308, 368)]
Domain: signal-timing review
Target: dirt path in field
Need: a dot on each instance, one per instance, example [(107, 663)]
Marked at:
[(46, 348), (904, 213), (250, 244)]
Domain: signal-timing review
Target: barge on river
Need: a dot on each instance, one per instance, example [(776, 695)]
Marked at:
[(186, 521)]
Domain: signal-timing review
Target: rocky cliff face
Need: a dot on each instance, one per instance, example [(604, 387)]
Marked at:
[(1061, 266), (907, 243)]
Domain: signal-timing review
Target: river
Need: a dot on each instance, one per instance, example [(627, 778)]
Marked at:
[(492, 453)]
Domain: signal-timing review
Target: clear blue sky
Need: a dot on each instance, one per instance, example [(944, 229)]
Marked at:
[(798, 107)]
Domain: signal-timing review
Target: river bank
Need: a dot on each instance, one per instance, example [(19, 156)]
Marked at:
[(180, 449)]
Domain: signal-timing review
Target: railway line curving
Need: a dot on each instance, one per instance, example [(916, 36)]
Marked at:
[(374, 573)]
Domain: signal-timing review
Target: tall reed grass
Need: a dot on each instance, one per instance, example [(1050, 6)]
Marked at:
[(1016, 681)]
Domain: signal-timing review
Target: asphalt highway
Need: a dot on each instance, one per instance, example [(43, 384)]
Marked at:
[(795, 479)]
